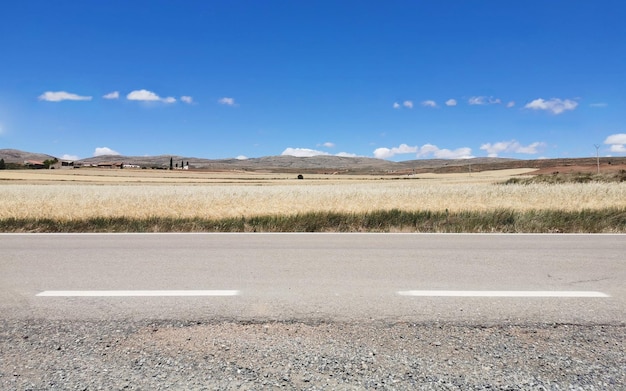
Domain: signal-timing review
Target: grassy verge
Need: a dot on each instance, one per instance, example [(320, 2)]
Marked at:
[(504, 220)]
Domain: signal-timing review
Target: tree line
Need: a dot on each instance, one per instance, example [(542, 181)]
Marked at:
[(181, 164)]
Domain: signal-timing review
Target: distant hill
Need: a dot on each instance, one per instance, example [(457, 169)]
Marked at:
[(17, 156), (323, 163), (268, 163), (313, 164)]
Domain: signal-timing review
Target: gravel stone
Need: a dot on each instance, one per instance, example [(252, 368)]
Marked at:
[(41, 354)]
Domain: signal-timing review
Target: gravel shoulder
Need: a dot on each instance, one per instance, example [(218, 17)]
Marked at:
[(40, 354)]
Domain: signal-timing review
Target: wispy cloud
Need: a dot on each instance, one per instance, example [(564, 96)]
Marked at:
[(511, 146), (186, 99), (510, 104), (483, 100), (477, 100), (306, 152), (617, 142), (429, 103), (101, 151), (112, 95), (227, 101), (451, 102), (599, 104), (58, 96), (555, 106), (407, 103), (148, 96), (427, 150), (328, 144)]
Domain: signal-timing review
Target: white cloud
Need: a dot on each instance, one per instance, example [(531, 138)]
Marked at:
[(599, 104), (483, 100), (477, 100), (407, 103), (385, 153), (619, 148), (302, 152), (58, 96), (112, 95), (101, 151), (186, 99), (429, 103), (425, 151), (459, 153), (241, 157), (511, 146), (451, 102), (143, 95), (227, 101), (69, 157), (619, 138), (554, 105), (306, 152), (328, 145), (148, 96), (531, 149), (617, 142), (510, 104)]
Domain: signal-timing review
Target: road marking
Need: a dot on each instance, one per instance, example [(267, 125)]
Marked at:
[(175, 293), (503, 294)]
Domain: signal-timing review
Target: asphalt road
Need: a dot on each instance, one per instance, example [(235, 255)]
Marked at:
[(315, 277)]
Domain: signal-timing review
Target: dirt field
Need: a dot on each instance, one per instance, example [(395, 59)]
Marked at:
[(570, 169)]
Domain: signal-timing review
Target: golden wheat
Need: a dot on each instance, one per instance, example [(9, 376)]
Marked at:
[(79, 201)]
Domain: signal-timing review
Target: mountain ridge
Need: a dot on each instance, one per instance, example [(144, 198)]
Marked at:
[(319, 163)]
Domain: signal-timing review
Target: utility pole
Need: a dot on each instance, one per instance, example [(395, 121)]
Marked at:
[(597, 156)]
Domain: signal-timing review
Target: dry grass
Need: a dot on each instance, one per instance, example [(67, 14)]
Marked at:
[(79, 195), (145, 177)]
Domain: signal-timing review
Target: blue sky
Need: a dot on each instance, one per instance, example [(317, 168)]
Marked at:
[(397, 80)]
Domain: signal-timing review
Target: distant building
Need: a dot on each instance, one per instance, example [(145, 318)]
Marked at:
[(51, 164), (110, 165), (34, 164)]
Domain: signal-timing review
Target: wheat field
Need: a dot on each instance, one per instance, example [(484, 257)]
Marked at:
[(208, 197)]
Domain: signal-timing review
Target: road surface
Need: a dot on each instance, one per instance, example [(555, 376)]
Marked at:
[(486, 279)]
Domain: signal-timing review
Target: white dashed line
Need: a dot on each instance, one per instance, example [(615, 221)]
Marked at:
[(172, 293), (503, 294)]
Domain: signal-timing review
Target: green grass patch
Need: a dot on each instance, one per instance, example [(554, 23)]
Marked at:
[(611, 220)]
